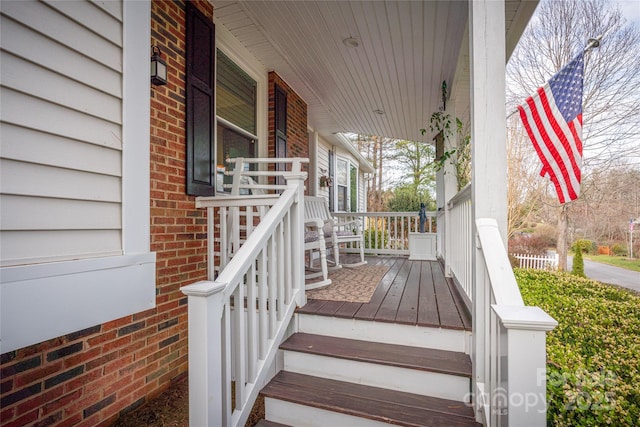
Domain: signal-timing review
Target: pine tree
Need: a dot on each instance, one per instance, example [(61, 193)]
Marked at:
[(578, 263)]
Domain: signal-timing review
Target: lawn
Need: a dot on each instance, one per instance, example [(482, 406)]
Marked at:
[(593, 356), (618, 261)]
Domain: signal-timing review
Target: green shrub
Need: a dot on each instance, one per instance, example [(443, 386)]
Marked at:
[(375, 239), (618, 250), (593, 356), (588, 246)]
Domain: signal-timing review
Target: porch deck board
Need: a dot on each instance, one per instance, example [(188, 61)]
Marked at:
[(408, 309), (465, 315), (411, 292), (368, 311), (447, 309), (348, 310), (428, 315), (388, 310)]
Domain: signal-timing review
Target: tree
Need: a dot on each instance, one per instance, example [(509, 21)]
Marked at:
[(577, 269), (378, 151), (405, 198), (525, 190), (416, 158), (612, 197), (611, 97)]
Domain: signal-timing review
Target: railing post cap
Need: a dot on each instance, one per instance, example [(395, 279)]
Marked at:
[(524, 317), (204, 288), (486, 222), (295, 176)]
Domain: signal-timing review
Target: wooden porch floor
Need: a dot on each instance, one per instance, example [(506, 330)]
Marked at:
[(411, 292)]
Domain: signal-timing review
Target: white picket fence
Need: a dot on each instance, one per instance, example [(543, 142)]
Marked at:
[(538, 262)]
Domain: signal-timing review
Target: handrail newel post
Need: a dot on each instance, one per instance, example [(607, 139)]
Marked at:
[(522, 336), (206, 382), (296, 180)]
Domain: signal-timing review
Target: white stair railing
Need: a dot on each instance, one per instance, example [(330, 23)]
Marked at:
[(237, 321), (459, 238), (509, 353)]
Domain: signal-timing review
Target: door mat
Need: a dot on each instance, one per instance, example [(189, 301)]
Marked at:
[(351, 284)]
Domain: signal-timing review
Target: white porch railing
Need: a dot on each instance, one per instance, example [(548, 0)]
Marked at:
[(509, 352), (237, 321), (538, 262), (459, 236), (387, 233), (509, 341)]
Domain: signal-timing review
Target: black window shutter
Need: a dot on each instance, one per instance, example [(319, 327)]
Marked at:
[(200, 95), (281, 129)]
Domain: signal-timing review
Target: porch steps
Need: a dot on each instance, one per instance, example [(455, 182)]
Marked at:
[(331, 380), (425, 371), (304, 400), (384, 332)]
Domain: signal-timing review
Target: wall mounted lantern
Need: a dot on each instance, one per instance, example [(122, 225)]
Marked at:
[(158, 67)]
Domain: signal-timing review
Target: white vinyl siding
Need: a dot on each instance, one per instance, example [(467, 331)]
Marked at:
[(61, 128), (74, 166)]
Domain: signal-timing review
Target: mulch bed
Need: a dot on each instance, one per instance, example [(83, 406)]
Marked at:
[(171, 409)]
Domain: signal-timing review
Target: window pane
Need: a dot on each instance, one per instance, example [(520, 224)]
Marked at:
[(230, 144), (342, 172), (342, 198), (235, 94), (353, 183)]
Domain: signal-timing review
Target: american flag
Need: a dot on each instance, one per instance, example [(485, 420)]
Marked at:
[(553, 119)]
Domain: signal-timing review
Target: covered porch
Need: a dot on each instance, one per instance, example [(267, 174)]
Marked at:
[(465, 305)]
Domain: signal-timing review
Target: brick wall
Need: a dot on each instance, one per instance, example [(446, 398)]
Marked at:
[(89, 377), (297, 136)]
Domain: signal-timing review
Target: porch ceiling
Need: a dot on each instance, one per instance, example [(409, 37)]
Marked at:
[(405, 50)]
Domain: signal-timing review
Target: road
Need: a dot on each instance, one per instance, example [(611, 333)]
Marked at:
[(609, 274)]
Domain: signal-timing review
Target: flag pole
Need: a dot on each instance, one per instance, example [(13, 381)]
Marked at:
[(591, 43)]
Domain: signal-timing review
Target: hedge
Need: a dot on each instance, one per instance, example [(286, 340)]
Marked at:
[(593, 356)]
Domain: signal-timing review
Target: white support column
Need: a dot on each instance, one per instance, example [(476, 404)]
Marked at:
[(206, 376), (488, 138), (523, 361)]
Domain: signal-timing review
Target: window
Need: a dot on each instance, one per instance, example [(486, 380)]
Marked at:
[(346, 183), (236, 96), (342, 181)]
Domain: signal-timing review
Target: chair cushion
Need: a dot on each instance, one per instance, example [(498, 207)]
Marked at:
[(327, 228), (311, 236)]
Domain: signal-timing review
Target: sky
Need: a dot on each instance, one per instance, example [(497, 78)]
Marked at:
[(630, 9)]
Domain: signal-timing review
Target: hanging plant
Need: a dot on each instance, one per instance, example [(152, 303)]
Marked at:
[(325, 181), (440, 123)]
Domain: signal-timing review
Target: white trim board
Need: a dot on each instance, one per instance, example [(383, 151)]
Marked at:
[(45, 301)]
